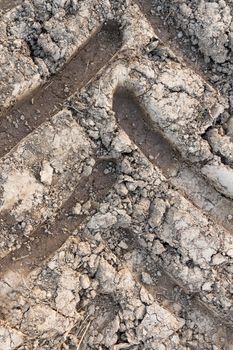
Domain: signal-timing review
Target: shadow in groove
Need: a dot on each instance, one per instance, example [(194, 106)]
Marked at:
[(49, 237), (137, 124)]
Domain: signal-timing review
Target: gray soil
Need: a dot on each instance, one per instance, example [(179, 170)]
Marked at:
[(116, 175)]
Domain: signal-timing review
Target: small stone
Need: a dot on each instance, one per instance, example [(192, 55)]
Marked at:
[(221, 176), (207, 287), (126, 167), (65, 302), (87, 206), (141, 209), (145, 296), (131, 186), (218, 259), (93, 294), (122, 143), (46, 173), (122, 189), (98, 237), (102, 221), (150, 237), (158, 210), (140, 312), (146, 278), (106, 276), (49, 295), (85, 282), (77, 209), (123, 245), (158, 248), (87, 170), (23, 225), (84, 249), (179, 35), (106, 171)]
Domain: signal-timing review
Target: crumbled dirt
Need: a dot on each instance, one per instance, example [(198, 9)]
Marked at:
[(116, 178), (28, 114)]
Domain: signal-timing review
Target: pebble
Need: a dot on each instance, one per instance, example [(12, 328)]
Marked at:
[(179, 35), (85, 282), (123, 245), (77, 209), (146, 278), (46, 173), (218, 259)]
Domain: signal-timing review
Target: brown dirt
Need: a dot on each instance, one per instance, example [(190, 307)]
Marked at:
[(167, 35), (48, 99), (49, 237), (9, 4), (135, 122)]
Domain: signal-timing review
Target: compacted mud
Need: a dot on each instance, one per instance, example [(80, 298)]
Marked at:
[(116, 175)]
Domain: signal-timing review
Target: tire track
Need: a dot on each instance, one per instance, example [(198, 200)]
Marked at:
[(168, 36), (155, 147), (40, 175), (49, 237), (137, 124), (106, 301), (165, 289), (33, 110)]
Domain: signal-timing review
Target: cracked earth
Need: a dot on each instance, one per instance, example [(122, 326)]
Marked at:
[(116, 175)]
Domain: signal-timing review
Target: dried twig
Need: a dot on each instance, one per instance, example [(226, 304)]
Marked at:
[(83, 336)]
